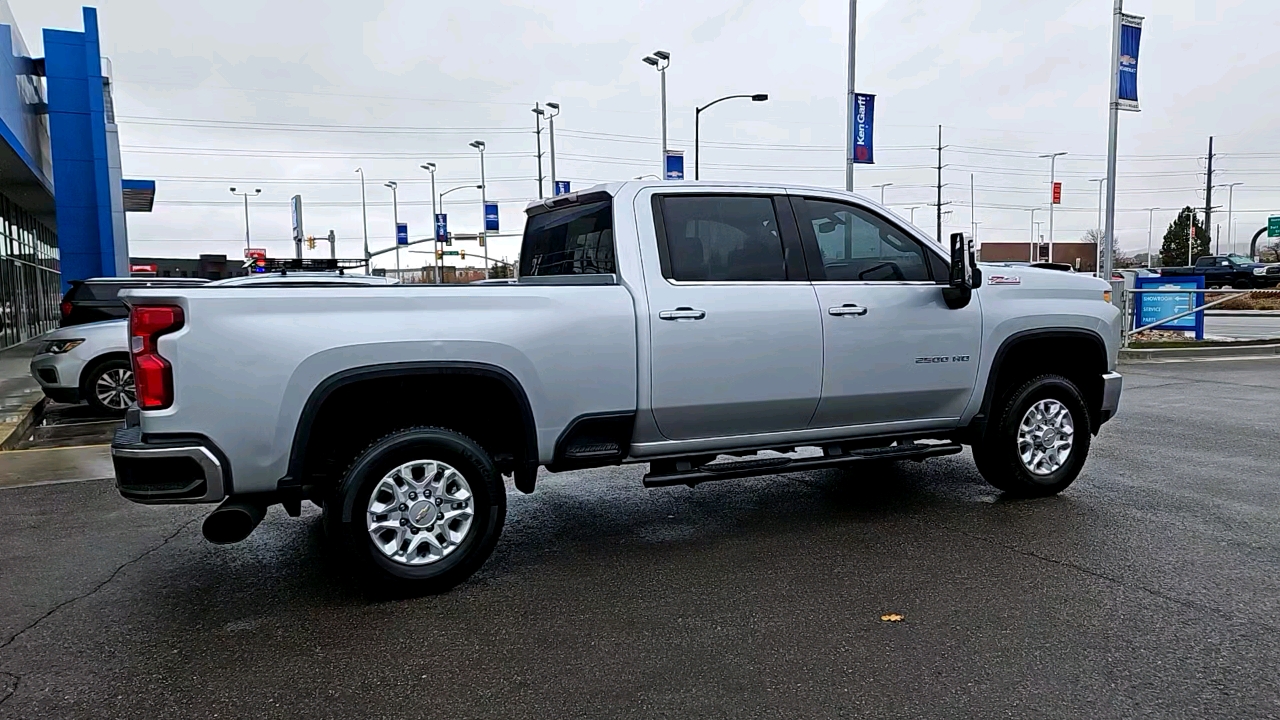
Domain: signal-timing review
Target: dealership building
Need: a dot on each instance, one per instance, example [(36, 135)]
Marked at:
[(62, 195)]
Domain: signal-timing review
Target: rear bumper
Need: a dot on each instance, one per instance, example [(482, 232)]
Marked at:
[(166, 471), (1112, 383)]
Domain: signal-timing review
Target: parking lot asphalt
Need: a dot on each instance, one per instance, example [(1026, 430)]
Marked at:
[(1150, 588)]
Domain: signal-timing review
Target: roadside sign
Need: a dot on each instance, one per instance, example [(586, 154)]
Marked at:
[(491, 217), (1273, 226), (673, 165), (442, 228), (296, 206), (1057, 193), (562, 187), (449, 252), (1152, 307), (257, 259), (402, 233), (255, 252), (864, 111), (146, 268)]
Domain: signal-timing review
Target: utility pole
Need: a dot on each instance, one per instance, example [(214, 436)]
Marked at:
[(939, 205), (1208, 190), (848, 132), (436, 262), (538, 112)]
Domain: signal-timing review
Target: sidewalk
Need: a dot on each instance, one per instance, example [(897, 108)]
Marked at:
[(19, 392)]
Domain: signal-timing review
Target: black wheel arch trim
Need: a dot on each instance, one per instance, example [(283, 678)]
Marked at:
[(322, 391), (624, 420), (997, 361)]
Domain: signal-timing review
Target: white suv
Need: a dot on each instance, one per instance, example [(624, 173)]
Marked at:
[(87, 363)]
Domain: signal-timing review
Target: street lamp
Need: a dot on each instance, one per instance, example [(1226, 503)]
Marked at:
[(697, 119), (1231, 192), (395, 222), (431, 168), (882, 186), (484, 223), (912, 209), (1053, 158), (1101, 185), (538, 114), (660, 60), (364, 217), (1151, 226), (551, 128), (246, 195)]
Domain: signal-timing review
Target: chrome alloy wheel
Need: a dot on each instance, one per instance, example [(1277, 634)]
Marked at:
[(115, 388), (1045, 437), (420, 512)]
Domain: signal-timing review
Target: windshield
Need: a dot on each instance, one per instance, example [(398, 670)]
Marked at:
[(1239, 259)]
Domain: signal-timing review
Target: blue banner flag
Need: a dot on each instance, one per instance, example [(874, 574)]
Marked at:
[(562, 187), (491, 217), (673, 168), (442, 227), (402, 233), (864, 114), (1127, 83)]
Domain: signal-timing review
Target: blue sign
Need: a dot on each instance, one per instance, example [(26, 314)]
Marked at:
[(442, 228), (864, 118), (562, 187), (1153, 306), (402, 233), (491, 217), (1127, 82), (673, 167)]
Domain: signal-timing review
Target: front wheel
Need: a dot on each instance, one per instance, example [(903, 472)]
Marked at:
[(421, 509), (1038, 439), (109, 387)]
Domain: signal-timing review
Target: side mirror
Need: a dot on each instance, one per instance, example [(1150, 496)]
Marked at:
[(964, 275)]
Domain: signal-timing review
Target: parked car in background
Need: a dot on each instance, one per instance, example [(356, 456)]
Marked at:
[(1229, 271), (98, 299), (87, 363)]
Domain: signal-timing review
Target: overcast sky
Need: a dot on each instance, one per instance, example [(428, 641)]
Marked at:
[(291, 97)]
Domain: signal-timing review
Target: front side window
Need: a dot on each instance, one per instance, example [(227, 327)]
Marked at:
[(856, 245), (722, 238), (577, 240)]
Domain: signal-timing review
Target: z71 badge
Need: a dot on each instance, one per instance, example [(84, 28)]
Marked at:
[(1004, 280), (941, 359)]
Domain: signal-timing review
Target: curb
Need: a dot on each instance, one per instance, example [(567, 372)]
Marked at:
[(19, 430), (1220, 351)]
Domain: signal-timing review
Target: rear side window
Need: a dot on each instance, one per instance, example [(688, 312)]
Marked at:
[(96, 291), (576, 240), (722, 238)]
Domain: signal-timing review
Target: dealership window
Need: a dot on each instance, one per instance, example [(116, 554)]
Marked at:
[(30, 283)]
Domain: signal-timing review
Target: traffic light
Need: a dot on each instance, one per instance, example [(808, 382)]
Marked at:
[(462, 254), (439, 255), (482, 240), (311, 242)]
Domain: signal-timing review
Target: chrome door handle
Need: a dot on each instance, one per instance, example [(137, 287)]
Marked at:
[(847, 309), (682, 313)]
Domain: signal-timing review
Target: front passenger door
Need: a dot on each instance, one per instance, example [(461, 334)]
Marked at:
[(896, 357)]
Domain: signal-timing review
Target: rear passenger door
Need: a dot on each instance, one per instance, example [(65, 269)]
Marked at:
[(735, 332)]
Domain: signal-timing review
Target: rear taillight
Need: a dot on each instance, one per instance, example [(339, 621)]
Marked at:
[(152, 374), (65, 307)]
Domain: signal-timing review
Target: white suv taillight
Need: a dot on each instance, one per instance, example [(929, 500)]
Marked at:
[(152, 374)]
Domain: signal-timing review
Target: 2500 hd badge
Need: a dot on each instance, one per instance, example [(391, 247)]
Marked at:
[(941, 359)]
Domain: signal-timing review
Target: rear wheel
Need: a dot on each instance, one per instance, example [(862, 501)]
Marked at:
[(109, 387), (1037, 442), (420, 510)]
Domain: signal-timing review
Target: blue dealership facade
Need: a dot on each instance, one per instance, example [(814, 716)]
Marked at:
[(62, 194)]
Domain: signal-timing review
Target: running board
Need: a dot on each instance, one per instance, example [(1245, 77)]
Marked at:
[(765, 465)]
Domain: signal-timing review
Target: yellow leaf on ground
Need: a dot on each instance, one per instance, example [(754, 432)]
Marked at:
[(891, 617)]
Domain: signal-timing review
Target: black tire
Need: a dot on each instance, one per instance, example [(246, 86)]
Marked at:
[(997, 454), (108, 387), (347, 511)]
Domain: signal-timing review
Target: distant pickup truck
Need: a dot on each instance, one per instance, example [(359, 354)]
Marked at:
[(690, 326), (1229, 271)]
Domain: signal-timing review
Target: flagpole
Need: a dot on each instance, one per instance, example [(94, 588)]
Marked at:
[(1108, 236)]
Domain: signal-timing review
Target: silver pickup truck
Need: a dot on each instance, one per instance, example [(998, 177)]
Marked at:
[(689, 326)]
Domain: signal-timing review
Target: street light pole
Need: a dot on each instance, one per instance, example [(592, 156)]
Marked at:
[(484, 204), (551, 125), (538, 113), (697, 126), (431, 168), (882, 186), (395, 223), (1053, 158), (1231, 192), (912, 209), (1100, 182), (364, 218), (848, 133), (661, 60), (246, 195), (1151, 224)]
